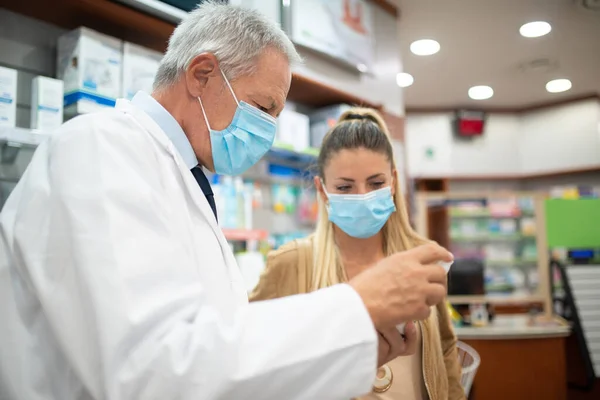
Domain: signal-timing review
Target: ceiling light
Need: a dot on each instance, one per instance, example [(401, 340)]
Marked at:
[(404, 79), (558, 85), (535, 29), (481, 92), (362, 67), (424, 47)]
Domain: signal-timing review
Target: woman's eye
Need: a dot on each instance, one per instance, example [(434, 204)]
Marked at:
[(343, 188), (377, 184)]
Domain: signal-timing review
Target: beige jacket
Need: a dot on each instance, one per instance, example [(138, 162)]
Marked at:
[(289, 272)]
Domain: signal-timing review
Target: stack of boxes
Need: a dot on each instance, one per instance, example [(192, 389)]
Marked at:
[(8, 96), (299, 132), (97, 69), (94, 70)]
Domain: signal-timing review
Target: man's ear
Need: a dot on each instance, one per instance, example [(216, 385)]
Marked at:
[(320, 190), (202, 67)]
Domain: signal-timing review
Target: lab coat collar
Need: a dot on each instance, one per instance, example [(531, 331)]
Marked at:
[(168, 124), (147, 123)]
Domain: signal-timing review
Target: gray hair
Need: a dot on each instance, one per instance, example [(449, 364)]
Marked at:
[(235, 35)]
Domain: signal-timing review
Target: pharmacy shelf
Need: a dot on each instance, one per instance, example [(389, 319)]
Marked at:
[(118, 20), (268, 179), (486, 215), (489, 238), (288, 157), (535, 288), (519, 262), (496, 299), (242, 235), (22, 137)]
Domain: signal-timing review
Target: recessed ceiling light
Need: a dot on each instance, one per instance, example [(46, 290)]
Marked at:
[(404, 79), (362, 67), (558, 85), (535, 29), (481, 92), (424, 47)]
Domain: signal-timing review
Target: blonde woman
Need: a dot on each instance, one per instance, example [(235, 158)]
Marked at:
[(362, 219)]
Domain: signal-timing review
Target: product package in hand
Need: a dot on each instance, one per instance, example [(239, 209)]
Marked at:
[(446, 266)]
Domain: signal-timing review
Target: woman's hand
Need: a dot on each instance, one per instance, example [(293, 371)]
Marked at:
[(392, 344)]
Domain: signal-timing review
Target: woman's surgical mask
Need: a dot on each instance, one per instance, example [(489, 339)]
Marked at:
[(361, 215), (245, 141)]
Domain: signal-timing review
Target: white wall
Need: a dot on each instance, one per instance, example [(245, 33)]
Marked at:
[(380, 86), (550, 140), (492, 154), (559, 138)]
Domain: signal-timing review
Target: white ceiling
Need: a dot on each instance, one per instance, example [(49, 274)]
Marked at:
[(481, 45)]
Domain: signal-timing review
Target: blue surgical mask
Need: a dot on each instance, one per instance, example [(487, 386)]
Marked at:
[(245, 141), (361, 215)]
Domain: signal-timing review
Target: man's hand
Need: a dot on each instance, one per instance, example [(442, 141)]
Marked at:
[(393, 345), (404, 286)]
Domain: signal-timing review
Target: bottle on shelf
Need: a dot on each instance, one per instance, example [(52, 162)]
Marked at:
[(229, 218)]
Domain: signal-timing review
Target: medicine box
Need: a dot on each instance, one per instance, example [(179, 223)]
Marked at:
[(46, 103), (89, 63), (8, 97), (139, 69), (293, 130), (322, 120)]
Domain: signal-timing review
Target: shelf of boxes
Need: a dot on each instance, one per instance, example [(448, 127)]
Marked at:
[(505, 233)]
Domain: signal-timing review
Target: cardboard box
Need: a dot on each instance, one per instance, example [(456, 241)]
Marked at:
[(139, 69), (322, 120), (46, 103), (89, 63), (8, 97), (293, 130)]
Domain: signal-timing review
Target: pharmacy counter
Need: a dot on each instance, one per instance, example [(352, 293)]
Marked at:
[(514, 327), (519, 359)]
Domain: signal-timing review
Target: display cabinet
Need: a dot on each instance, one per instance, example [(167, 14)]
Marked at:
[(498, 241)]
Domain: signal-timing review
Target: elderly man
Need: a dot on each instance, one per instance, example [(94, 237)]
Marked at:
[(116, 281)]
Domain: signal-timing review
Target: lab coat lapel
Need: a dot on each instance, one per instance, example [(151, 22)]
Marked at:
[(191, 185)]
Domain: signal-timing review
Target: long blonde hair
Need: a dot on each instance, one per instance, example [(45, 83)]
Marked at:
[(357, 128)]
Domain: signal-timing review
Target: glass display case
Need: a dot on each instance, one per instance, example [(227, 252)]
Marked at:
[(498, 241)]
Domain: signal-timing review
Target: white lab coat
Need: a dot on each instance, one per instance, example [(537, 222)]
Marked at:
[(117, 283)]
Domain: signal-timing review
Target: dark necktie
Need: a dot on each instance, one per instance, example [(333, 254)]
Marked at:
[(205, 186)]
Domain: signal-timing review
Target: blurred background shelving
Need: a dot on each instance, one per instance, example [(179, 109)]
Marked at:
[(498, 243)]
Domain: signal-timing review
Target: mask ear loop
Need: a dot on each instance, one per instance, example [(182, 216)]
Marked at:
[(326, 193), (230, 90), (204, 114)]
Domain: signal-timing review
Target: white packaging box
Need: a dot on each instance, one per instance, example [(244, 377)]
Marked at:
[(46, 103), (89, 63), (293, 130), (324, 119), (139, 69), (8, 97)]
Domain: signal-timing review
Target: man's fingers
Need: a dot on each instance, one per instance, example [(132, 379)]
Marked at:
[(435, 294), (431, 253), (410, 338), (436, 274), (394, 338)]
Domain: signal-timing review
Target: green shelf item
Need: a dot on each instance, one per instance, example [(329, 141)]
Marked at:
[(312, 151), (573, 223), (283, 146)]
